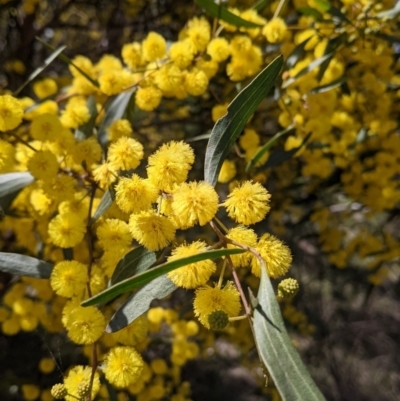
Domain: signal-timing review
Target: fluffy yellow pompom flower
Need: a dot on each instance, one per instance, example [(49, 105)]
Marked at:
[(84, 325), (10, 113), (219, 49), (123, 366), (132, 55), (30, 392), (153, 47), (88, 150), (46, 127), (275, 30), (148, 98), (69, 278), (228, 171), (182, 53), (170, 165), (118, 129), (45, 87), (105, 175), (78, 376), (115, 81), (134, 333), (209, 299), (196, 82), (114, 232), (248, 203), (76, 113), (195, 202), (151, 230), (125, 154), (7, 153), (245, 236), (195, 274), (43, 165), (276, 255), (135, 194), (199, 33), (66, 230)]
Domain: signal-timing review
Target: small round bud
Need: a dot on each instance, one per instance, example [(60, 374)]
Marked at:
[(288, 288), (218, 320), (83, 389), (58, 391)]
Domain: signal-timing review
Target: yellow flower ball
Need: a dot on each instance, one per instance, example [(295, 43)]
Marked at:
[(43, 165), (78, 376), (46, 127), (125, 154), (66, 230), (69, 278), (10, 113), (153, 47), (275, 30), (148, 98)]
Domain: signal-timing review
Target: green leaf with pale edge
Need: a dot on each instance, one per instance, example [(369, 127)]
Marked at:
[(199, 137), (297, 53), (13, 182), (220, 12), (38, 70), (151, 274), (254, 160), (139, 302), (22, 265), (328, 87), (277, 352), (228, 128), (86, 130), (104, 205), (134, 262), (115, 109), (261, 4)]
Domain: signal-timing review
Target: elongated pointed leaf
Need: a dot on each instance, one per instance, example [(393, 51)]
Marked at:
[(328, 87), (282, 360), (114, 111), (261, 4), (201, 137), (254, 160), (228, 128), (311, 12), (38, 70), (151, 274), (104, 205), (22, 265), (139, 302), (13, 182), (330, 49), (297, 53), (220, 12), (133, 263), (86, 130)]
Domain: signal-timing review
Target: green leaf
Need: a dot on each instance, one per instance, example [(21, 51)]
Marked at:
[(139, 302), (280, 156), (13, 182), (104, 205), (199, 137), (297, 53), (335, 12), (228, 128), (38, 70), (220, 12), (277, 352), (311, 12), (151, 274), (86, 130), (115, 109), (328, 87), (134, 262), (261, 4), (22, 265), (254, 160), (323, 5)]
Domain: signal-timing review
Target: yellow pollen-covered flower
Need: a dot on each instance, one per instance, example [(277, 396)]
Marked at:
[(123, 366), (195, 274), (132, 55), (66, 230), (85, 325), (196, 82), (88, 150), (195, 202), (151, 230), (248, 203), (46, 127), (245, 236), (113, 82), (134, 333), (11, 113), (199, 33), (170, 165), (114, 232), (44, 88), (76, 113), (219, 49), (125, 154), (60, 188), (153, 47), (105, 175), (210, 299), (118, 129), (135, 194), (43, 165), (77, 376), (275, 30), (69, 278), (228, 171), (148, 98), (182, 53), (276, 255)]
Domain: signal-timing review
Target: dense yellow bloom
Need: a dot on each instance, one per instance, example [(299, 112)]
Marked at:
[(43, 165), (10, 113), (248, 203), (249, 140), (219, 49), (105, 175), (132, 55), (228, 171), (196, 82), (78, 376), (134, 333), (69, 278), (88, 150), (46, 127), (182, 53), (84, 325), (151, 230), (118, 129), (276, 255), (170, 165), (168, 78), (275, 30), (148, 98), (113, 82), (194, 202), (123, 366), (153, 47), (135, 194), (113, 232), (44, 88), (66, 230), (199, 33), (245, 236), (60, 188), (7, 152), (195, 274), (125, 154), (75, 113), (209, 299)]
